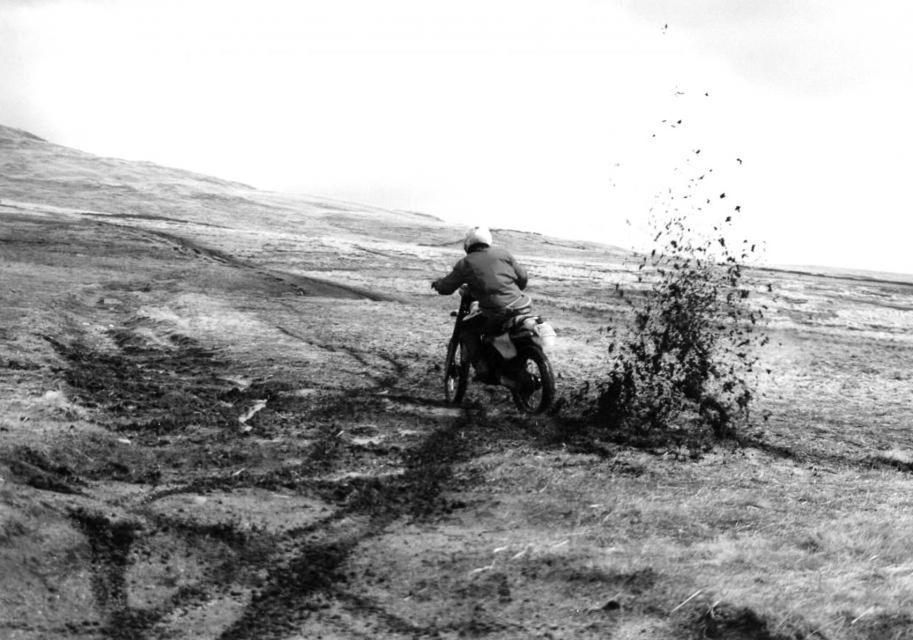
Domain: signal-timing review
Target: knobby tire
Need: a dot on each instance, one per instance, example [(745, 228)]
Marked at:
[(456, 373), (543, 380)]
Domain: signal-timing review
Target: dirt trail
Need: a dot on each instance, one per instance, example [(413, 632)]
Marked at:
[(303, 285)]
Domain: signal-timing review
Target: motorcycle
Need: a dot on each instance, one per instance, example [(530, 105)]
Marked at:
[(516, 359)]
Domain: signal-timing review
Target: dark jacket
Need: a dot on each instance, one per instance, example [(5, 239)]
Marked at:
[(494, 278)]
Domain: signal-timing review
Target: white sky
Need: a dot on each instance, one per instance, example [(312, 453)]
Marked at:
[(521, 113)]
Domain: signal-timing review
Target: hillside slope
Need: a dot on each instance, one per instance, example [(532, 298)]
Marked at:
[(34, 172), (221, 418)]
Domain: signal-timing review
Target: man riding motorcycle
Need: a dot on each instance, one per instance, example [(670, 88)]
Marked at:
[(496, 281)]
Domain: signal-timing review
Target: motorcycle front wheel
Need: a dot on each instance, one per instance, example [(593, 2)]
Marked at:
[(456, 373), (535, 382)]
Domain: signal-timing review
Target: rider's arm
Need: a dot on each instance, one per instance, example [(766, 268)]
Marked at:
[(451, 282), (522, 276)]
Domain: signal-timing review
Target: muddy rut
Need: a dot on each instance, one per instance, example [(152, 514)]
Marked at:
[(349, 464)]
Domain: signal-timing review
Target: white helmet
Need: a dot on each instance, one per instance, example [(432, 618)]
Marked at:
[(477, 235)]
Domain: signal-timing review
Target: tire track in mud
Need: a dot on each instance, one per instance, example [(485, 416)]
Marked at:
[(301, 586), (302, 566), (299, 284), (398, 367), (285, 602), (302, 285), (116, 544), (110, 544)]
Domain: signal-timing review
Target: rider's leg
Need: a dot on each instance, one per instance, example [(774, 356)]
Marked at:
[(507, 369), (493, 324), (488, 360), (472, 338)]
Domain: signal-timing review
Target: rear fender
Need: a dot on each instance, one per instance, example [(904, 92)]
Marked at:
[(505, 346), (534, 330)]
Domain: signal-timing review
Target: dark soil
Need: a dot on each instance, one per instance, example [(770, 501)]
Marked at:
[(728, 622)]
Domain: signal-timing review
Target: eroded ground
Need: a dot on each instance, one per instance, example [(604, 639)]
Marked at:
[(206, 434)]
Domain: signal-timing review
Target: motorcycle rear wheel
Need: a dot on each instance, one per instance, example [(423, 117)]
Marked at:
[(535, 390), (456, 373)]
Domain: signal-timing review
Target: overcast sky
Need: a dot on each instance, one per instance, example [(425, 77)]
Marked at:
[(560, 117)]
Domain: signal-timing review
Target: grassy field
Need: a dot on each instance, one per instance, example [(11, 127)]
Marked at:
[(221, 417)]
